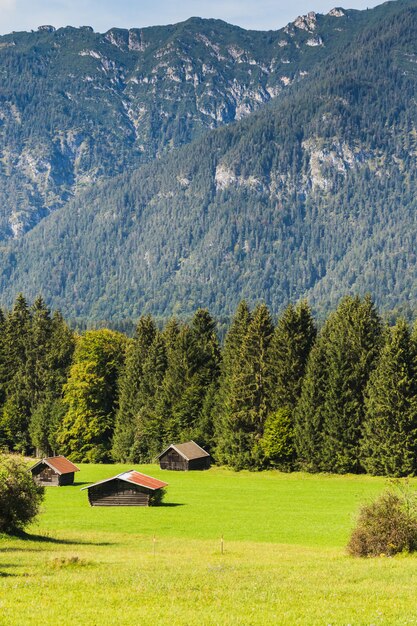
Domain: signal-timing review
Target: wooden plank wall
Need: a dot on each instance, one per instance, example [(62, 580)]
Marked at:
[(199, 464), (66, 479), (46, 476), (117, 493), (173, 461)]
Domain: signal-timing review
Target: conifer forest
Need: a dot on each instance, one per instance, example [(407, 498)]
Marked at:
[(283, 394)]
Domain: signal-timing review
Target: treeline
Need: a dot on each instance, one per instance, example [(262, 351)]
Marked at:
[(36, 349), (284, 395)]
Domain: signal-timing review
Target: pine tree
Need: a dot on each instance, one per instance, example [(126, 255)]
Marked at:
[(203, 327), (389, 443)]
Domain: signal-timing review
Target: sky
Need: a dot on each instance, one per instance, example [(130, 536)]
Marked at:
[(104, 14)]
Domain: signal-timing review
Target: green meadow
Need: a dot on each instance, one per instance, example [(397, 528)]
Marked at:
[(283, 560)]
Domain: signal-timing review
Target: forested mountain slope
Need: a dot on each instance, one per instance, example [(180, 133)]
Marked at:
[(77, 107), (314, 195)]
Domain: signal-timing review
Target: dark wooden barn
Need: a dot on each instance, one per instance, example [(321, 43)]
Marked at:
[(184, 456), (54, 471), (127, 489)]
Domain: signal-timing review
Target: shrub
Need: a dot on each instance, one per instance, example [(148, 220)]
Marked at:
[(20, 497), (277, 442), (385, 527), (157, 497)]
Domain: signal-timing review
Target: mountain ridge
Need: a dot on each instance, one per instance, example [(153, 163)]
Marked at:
[(78, 106), (313, 195)]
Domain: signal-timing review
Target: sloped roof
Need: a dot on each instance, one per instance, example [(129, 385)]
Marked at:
[(189, 450), (135, 478), (59, 464)]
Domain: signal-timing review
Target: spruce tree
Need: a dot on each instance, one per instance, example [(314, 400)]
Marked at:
[(149, 427), (3, 367), (42, 426), (389, 442), (60, 353), (230, 361), (130, 399), (3, 375), (249, 400), (308, 415), (329, 414), (290, 347), (190, 381), (37, 351), (291, 343), (16, 411), (17, 329), (209, 359), (50, 352), (181, 389), (353, 344)]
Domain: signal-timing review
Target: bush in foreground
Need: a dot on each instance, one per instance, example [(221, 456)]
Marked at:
[(386, 527), (20, 497)]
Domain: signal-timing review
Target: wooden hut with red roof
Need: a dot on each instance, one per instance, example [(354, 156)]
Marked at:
[(54, 471), (184, 457), (126, 489)]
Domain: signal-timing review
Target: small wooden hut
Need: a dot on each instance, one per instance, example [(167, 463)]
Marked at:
[(54, 471), (127, 489), (184, 457)]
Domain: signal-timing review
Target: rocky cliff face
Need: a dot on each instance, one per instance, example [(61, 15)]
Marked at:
[(78, 107)]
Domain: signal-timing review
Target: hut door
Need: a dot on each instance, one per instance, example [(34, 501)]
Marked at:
[(46, 475)]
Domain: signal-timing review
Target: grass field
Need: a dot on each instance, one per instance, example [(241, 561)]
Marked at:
[(284, 558)]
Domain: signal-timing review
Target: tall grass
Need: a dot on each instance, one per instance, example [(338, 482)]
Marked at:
[(284, 560)]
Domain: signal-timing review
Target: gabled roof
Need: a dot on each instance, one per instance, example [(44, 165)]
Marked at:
[(189, 450), (59, 464), (135, 478)]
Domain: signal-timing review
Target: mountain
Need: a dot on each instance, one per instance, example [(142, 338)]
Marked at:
[(77, 107), (312, 195)]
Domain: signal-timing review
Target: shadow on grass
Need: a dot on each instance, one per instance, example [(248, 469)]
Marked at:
[(7, 574), (47, 539), (80, 484), (162, 504)]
